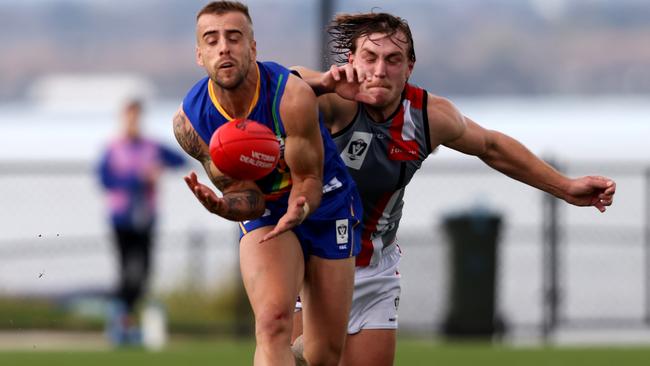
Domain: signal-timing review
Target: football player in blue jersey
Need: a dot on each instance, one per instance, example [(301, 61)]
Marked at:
[(299, 223)]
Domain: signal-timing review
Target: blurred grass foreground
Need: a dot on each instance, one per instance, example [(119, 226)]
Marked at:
[(209, 313), (410, 352)]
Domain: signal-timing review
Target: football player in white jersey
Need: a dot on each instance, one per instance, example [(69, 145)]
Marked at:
[(371, 87)]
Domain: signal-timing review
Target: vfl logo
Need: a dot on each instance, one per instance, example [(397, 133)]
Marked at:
[(356, 149), (342, 233), (342, 230), (355, 152)]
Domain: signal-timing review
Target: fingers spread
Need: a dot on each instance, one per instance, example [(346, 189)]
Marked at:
[(334, 71)]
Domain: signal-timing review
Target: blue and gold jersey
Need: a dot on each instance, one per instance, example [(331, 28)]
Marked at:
[(206, 115)]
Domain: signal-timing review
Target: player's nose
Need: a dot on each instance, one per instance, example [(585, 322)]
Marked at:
[(380, 69)]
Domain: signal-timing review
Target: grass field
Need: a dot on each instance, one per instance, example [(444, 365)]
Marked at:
[(411, 353)]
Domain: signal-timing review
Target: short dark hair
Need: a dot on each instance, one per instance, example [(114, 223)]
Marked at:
[(346, 29), (223, 7)]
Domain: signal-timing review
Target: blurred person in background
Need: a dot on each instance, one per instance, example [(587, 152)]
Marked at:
[(384, 128), (130, 170)]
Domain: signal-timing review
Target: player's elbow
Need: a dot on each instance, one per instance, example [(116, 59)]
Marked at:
[(489, 145)]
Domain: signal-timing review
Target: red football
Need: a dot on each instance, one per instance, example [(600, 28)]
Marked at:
[(244, 149)]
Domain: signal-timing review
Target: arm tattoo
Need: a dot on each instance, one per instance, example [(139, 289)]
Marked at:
[(242, 205), (221, 181), (188, 138)]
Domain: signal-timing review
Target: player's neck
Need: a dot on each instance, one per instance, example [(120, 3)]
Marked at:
[(381, 114), (240, 101)]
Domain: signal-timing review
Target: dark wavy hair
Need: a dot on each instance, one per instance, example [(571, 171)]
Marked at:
[(346, 29)]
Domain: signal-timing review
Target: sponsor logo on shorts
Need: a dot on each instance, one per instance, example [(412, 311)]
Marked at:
[(333, 184), (342, 233), (396, 302)]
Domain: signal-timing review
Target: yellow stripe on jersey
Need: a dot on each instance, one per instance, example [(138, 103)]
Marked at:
[(243, 229), (215, 101)]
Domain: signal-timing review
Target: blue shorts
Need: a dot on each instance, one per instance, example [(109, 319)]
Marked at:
[(332, 232)]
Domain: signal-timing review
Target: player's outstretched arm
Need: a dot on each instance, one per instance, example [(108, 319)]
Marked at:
[(242, 200), (303, 153), (512, 158), (339, 90)]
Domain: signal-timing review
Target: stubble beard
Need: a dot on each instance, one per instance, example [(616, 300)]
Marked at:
[(232, 82)]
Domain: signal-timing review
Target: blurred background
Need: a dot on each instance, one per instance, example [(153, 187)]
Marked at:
[(569, 79)]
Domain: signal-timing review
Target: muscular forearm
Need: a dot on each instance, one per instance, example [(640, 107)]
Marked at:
[(238, 204), (510, 157), (311, 188), (241, 206)]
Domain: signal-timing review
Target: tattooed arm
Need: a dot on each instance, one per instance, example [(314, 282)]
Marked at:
[(242, 200)]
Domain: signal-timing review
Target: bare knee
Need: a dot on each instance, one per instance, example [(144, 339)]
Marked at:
[(273, 325)]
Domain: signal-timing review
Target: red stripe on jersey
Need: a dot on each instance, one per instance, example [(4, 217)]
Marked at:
[(415, 95), (363, 258), (398, 149)]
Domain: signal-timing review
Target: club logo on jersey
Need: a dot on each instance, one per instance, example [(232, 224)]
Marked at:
[(342, 233), (356, 149), (355, 152)]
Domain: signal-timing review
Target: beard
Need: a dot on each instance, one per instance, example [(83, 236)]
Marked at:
[(230, 80)]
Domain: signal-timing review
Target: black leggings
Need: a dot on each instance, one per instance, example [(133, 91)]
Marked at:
[(134, 249)]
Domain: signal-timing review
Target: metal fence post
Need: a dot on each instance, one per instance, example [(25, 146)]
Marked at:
[(326, 11), (646, 242), (550, 265)]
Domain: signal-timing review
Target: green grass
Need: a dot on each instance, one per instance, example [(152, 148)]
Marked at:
[(411, 353)]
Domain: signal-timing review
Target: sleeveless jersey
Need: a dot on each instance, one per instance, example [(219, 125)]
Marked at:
[(205, 114), (382, 158)]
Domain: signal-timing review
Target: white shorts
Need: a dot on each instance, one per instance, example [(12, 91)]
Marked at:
[(376, 293)]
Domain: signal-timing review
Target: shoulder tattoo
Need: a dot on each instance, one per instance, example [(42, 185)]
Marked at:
[(188, 138)]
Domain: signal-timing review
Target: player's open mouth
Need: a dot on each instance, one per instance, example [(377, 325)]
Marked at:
[(226, 65)]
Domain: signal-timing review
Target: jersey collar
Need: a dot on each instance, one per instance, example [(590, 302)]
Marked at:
[(215, 101)]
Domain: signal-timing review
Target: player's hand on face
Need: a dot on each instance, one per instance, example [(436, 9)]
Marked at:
[(296, 214), (345, 80), (204, 194), (592, 191)]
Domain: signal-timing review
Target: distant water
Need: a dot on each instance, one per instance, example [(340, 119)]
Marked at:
[(571, 127), (608, 127)]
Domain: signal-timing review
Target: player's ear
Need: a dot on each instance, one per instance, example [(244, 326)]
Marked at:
[(254, 49), (199, 60)]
